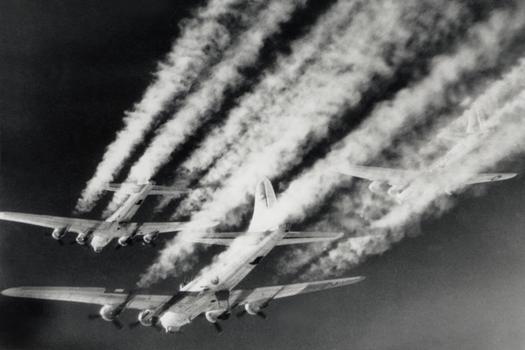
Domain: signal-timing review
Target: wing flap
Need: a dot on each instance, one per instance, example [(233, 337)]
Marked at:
[(265, 294), (299, 237), (173, 226)]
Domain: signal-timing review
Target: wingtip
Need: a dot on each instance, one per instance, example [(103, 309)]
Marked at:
[(360, 278), (10, 292)]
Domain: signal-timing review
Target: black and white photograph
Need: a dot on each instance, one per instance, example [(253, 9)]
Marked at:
[(262, 174)]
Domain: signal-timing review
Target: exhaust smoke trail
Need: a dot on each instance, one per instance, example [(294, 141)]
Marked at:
[(326, 88), (506, 141), (471, 156), (254, 106), (287, 70), (485, 46), (201, 41), (202, 103), (337, 83)]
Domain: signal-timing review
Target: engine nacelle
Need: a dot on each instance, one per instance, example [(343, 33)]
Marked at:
[(145, 317), (123, 241), (394, 191), (214, 315), (108, 312), (150, 237), (58, 233), (252, 309), (81, 238), (375, 187)]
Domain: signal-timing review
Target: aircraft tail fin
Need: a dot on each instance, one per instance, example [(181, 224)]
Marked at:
[(264, 201), (475, 122)]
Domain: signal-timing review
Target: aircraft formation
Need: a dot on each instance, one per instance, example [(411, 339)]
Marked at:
[(212, 294)]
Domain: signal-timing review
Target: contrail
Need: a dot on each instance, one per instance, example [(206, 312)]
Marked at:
[(202, 103), (287, 70), (507, 141), (201, 41), (285, 74), (486, 42), (474, 156), (307, 108), (337, 83)]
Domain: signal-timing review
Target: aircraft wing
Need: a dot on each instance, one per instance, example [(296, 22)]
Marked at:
[(165, 227), (72, 224), (88, 295), (391, 176), (298, 237), (291, 237), (490, 177), (265, 294)]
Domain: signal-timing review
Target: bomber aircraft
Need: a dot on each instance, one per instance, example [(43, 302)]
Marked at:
[(396, 182), (212, 293), (99, 233)]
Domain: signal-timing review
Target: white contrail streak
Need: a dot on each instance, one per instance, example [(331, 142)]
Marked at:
[(485, 42), (202, 103), (202, 39), (284, 75), (479, 154), (471, 156), (333, 83), (337, 83), (246, 116), (388, 119)]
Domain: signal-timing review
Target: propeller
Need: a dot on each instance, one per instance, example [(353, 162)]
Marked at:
[(115, 321), (217, 327), (134, 324), (243, 312), (59, 241), (261, 315), (150, 244)]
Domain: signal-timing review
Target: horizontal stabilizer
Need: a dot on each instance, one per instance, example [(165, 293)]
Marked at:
[(291, 237), (155, 189)]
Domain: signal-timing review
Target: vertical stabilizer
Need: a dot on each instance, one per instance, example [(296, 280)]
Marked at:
[(475, 123), (264, 200)]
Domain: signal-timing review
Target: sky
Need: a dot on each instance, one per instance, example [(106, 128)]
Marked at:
[(68, 73)]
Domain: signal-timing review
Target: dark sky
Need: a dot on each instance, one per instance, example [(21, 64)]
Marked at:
[(69, 69)]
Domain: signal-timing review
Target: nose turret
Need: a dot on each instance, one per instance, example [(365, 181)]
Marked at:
[(172, 321), (98, 243)]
